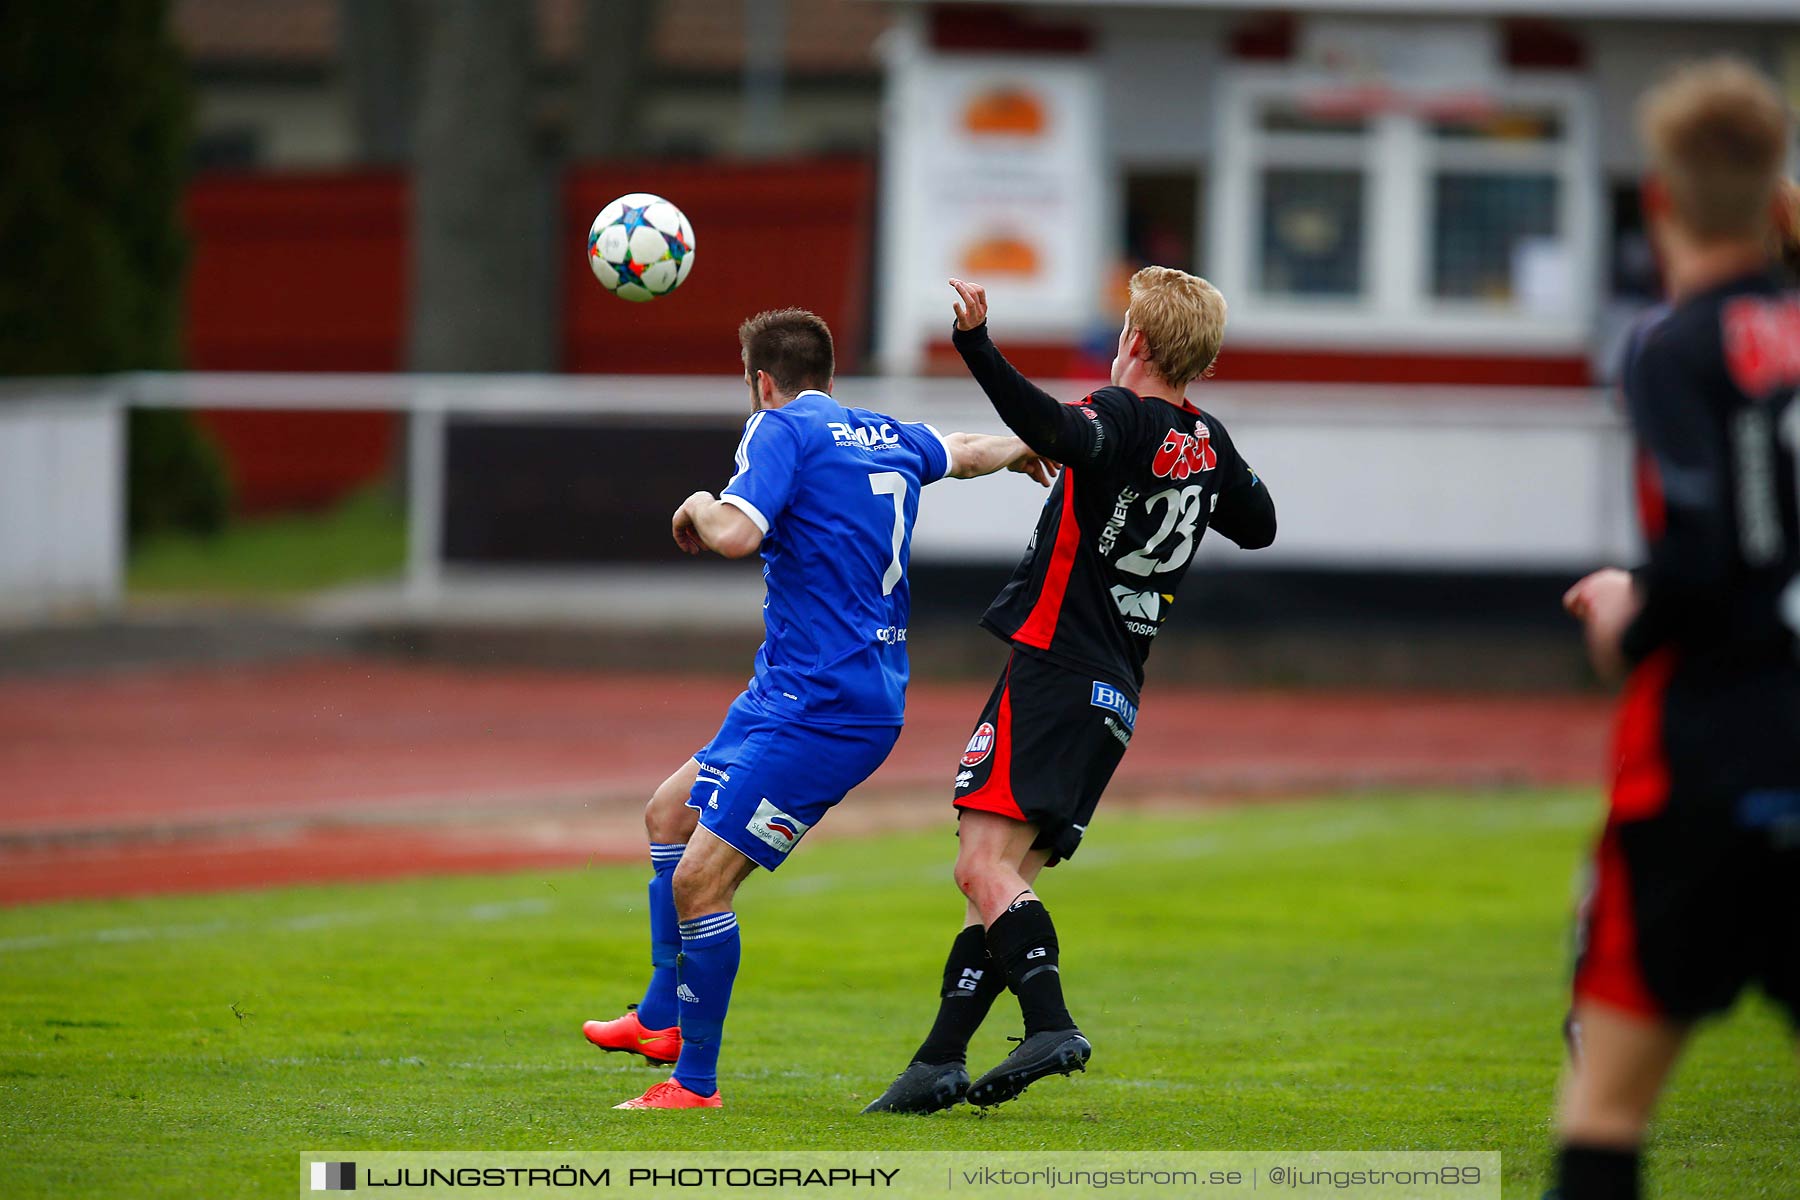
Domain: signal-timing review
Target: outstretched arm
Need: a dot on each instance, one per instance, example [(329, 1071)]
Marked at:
[(1061, 432), (976, 454)]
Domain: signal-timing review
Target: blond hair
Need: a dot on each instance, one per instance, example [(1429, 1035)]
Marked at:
[(1717, 132), (1182, 318)]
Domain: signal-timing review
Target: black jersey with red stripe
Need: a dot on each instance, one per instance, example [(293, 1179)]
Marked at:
[(1143, 480), (1710, 388)]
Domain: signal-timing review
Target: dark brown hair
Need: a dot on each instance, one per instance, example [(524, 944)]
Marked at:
[(792, 345)]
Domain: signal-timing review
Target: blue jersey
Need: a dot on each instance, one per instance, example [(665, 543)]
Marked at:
[(835, 492)]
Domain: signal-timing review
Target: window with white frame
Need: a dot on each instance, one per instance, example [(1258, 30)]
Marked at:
[(1373, 215), (1310, 181)]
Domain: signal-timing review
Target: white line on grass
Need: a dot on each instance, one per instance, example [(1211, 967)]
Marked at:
[(304, 923)]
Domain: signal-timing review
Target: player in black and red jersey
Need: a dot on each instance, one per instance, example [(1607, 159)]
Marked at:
[(1696, 885), (1145, 475)]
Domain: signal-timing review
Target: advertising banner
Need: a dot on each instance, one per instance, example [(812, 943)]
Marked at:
[(999, 174)]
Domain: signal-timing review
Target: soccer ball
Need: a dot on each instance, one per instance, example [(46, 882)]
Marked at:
[(641, 247)]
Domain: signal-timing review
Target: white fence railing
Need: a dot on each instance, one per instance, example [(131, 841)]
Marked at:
[(1363, 476), (62, 499)]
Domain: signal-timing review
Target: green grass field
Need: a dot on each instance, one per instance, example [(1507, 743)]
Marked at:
[(362, 538), (1346, 974)]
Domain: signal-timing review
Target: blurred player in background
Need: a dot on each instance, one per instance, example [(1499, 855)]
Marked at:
[(828, 495), (1787, 230), (1696, 888), (1146, 473)]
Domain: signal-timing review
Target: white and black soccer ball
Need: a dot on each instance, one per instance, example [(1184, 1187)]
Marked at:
[(641, 247)]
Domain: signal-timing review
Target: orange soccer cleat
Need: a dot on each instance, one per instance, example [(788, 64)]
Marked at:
[(628, 1034), (669, 1094)]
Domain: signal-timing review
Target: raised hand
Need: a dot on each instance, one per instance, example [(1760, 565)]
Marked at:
[(971, 305)]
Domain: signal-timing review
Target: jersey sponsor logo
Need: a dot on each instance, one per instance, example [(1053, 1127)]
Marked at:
[(1183, 454), (1147, 605), (980, 746), (891, 635), (1762, 343), (1115, 525), (868, 438), (780, 830), (715, 772), (1114, 700)]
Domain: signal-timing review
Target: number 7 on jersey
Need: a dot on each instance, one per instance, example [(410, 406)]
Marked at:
[(892, 483)]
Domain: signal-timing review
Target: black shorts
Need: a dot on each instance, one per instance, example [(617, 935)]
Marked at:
[(1694, 892), (1045, 747), (1684, 910)]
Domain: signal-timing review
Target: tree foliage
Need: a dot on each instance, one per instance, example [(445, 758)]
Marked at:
[(94, 137)]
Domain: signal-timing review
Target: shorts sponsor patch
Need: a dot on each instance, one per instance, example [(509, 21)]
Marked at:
[(777, 828), (980, 746), (1113, 700)]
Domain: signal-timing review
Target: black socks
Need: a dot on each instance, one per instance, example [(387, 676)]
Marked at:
[(1596, 1173), (971, 981), (1023, 941)]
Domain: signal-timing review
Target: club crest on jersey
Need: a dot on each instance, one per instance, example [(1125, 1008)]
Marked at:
[(1183, 454), (777, 828), (980, 746)]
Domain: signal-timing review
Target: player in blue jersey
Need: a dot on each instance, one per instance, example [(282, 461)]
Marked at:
[(828, 495)]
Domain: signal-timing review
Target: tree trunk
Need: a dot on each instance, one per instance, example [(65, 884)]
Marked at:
[(482, 212), (379, 43), (612, 66)]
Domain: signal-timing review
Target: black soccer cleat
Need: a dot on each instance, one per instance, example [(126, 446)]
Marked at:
[(1061, 1052), (923, 1088)]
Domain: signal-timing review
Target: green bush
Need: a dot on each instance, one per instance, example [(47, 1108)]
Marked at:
[(175, 478)]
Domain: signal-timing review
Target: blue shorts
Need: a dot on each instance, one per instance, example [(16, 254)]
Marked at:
[(765, 780)]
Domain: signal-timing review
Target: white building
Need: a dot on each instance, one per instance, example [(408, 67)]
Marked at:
[(1385, 190)]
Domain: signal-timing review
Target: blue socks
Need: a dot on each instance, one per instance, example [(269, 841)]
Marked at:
[(708, 966), (658, 1009), (695, 963)]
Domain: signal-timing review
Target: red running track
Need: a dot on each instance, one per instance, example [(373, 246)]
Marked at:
[(202, 779)]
